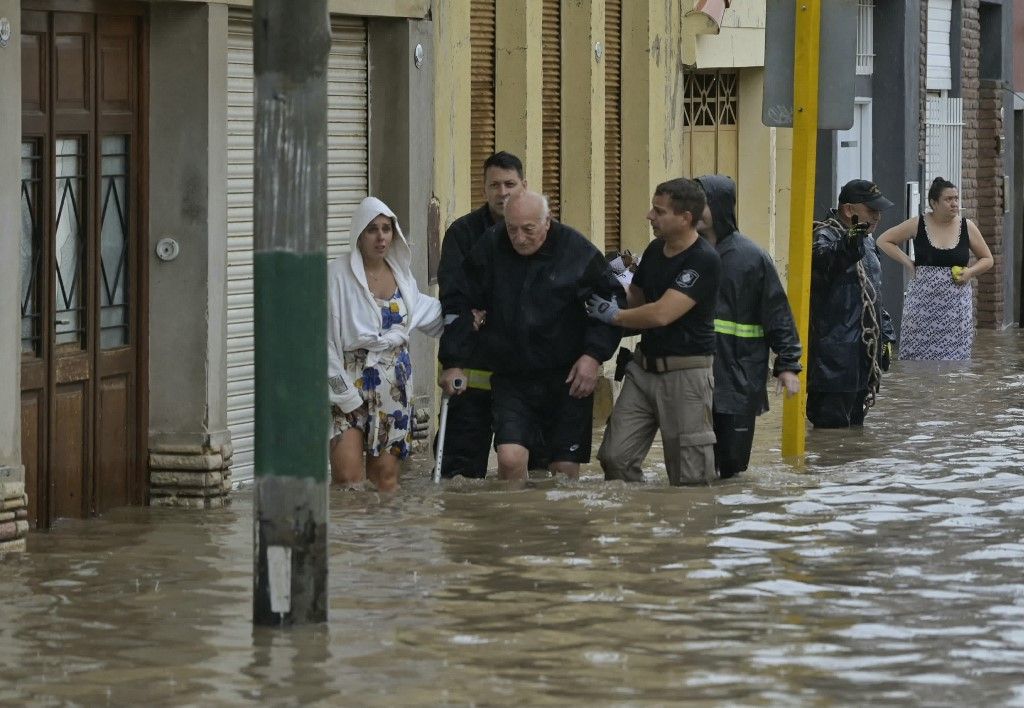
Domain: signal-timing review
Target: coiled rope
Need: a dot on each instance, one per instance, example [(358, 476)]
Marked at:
[(870, 333)]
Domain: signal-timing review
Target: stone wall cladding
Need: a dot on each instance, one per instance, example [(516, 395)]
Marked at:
[(990, 200), (922, 97), (970, 35), (197, 477), (13, 511)]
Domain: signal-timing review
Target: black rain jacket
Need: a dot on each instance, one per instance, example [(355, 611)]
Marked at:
[(459, 240), (752, 314), (536, 317), (838, 360)]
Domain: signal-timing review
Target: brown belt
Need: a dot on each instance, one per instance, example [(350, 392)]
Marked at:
[(664, 364)]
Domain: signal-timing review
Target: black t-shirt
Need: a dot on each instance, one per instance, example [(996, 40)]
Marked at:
[(694, 272)]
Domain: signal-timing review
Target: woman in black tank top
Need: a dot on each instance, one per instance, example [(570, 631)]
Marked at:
[(938, 308)]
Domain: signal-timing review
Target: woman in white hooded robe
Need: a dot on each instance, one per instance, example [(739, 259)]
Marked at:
[(374, 306)]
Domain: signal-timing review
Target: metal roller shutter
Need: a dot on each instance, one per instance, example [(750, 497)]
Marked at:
[(612, 124), (482, 131), (551, 103), (347, 184)]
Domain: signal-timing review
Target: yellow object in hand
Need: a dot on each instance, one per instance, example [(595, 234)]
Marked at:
[(957, 271)]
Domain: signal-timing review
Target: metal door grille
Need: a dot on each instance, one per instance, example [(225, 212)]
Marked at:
[(944, 139)]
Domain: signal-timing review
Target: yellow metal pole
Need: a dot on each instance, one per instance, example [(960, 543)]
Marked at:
[(805, 134)]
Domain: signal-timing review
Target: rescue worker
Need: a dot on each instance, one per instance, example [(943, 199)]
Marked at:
[(669, 385), (752, 317), (467, 441), (851, 334), (532, 276)]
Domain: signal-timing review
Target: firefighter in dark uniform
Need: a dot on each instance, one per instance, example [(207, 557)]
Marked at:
[(532, 276), (752, 316), (467, 442), (851, 335)]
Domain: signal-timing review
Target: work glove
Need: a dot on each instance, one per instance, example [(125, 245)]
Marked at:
[(886, 356), (857, 231), (601, 309)]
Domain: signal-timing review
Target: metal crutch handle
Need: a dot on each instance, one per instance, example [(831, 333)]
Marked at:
[(458, 385)]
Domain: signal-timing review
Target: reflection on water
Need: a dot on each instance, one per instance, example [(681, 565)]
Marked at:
[(889, 571)]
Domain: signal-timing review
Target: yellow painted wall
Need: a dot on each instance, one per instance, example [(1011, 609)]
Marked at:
[(741, 40), (518, 78), (652, 106), (753, 179), (451, 110), (582, 189)]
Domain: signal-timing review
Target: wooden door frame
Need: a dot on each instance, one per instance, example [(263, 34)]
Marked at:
[(138, 255)]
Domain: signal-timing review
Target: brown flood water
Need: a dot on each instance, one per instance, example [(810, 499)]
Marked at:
[(888, 571)]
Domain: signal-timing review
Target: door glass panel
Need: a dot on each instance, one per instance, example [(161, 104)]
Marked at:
[(114, 225), (69, 245), (31, 248)]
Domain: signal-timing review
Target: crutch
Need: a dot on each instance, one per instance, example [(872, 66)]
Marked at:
[(457, 384)]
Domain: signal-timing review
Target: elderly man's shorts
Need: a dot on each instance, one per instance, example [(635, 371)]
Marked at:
[(536, 409)]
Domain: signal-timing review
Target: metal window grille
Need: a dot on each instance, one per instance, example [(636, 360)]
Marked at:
[(866, 38), (944, 139), (709, 98)]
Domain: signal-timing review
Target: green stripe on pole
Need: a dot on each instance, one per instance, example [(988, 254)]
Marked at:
[(736, 329), (292, 409)]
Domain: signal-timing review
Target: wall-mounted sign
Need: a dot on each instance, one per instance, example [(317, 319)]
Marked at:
[(5, 31)]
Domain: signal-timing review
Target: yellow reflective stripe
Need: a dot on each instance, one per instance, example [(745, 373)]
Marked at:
[(478, 378), (748, 331)]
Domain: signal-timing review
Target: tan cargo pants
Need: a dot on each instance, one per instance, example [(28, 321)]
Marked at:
[(679, 403)]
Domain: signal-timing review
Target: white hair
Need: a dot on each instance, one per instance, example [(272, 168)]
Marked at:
[(543, 199)]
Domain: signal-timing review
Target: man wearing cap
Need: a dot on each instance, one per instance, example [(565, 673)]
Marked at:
[(850, 334)]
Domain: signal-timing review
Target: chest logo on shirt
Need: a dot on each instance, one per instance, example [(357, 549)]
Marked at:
[(687, 278)]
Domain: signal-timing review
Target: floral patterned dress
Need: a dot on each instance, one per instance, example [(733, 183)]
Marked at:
[(385, 417)]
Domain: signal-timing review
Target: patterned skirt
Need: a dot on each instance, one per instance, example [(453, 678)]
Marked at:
[(938, 317), (385, 389)]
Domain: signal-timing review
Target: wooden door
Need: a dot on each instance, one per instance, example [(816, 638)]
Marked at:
[(81, 231)]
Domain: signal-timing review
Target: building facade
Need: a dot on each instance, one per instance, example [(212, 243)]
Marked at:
[(934, 102), (126, 374)]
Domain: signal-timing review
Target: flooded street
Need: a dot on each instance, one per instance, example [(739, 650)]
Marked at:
[(888, 570)]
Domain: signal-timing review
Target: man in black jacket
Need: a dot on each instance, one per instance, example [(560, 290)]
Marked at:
[(752, 316), (467, 441), (532, 276), (850, 337)]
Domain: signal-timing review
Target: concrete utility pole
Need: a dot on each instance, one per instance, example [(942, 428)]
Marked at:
[(291, 43), (805, 134)]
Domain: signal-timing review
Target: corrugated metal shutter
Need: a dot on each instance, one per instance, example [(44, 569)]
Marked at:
[(612, 124), (347, 184), (940, 70), (551, 102), (481, 134)]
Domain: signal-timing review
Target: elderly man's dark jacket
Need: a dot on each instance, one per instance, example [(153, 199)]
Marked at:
[(536, 317)]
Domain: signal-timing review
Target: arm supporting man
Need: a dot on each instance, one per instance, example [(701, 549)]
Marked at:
[(663, 311)]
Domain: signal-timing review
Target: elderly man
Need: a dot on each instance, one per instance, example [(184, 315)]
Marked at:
[(467, 440), (532, 276)]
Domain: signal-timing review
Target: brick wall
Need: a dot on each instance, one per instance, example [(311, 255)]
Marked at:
[(989, 214), (969, 85), (922, 55)]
